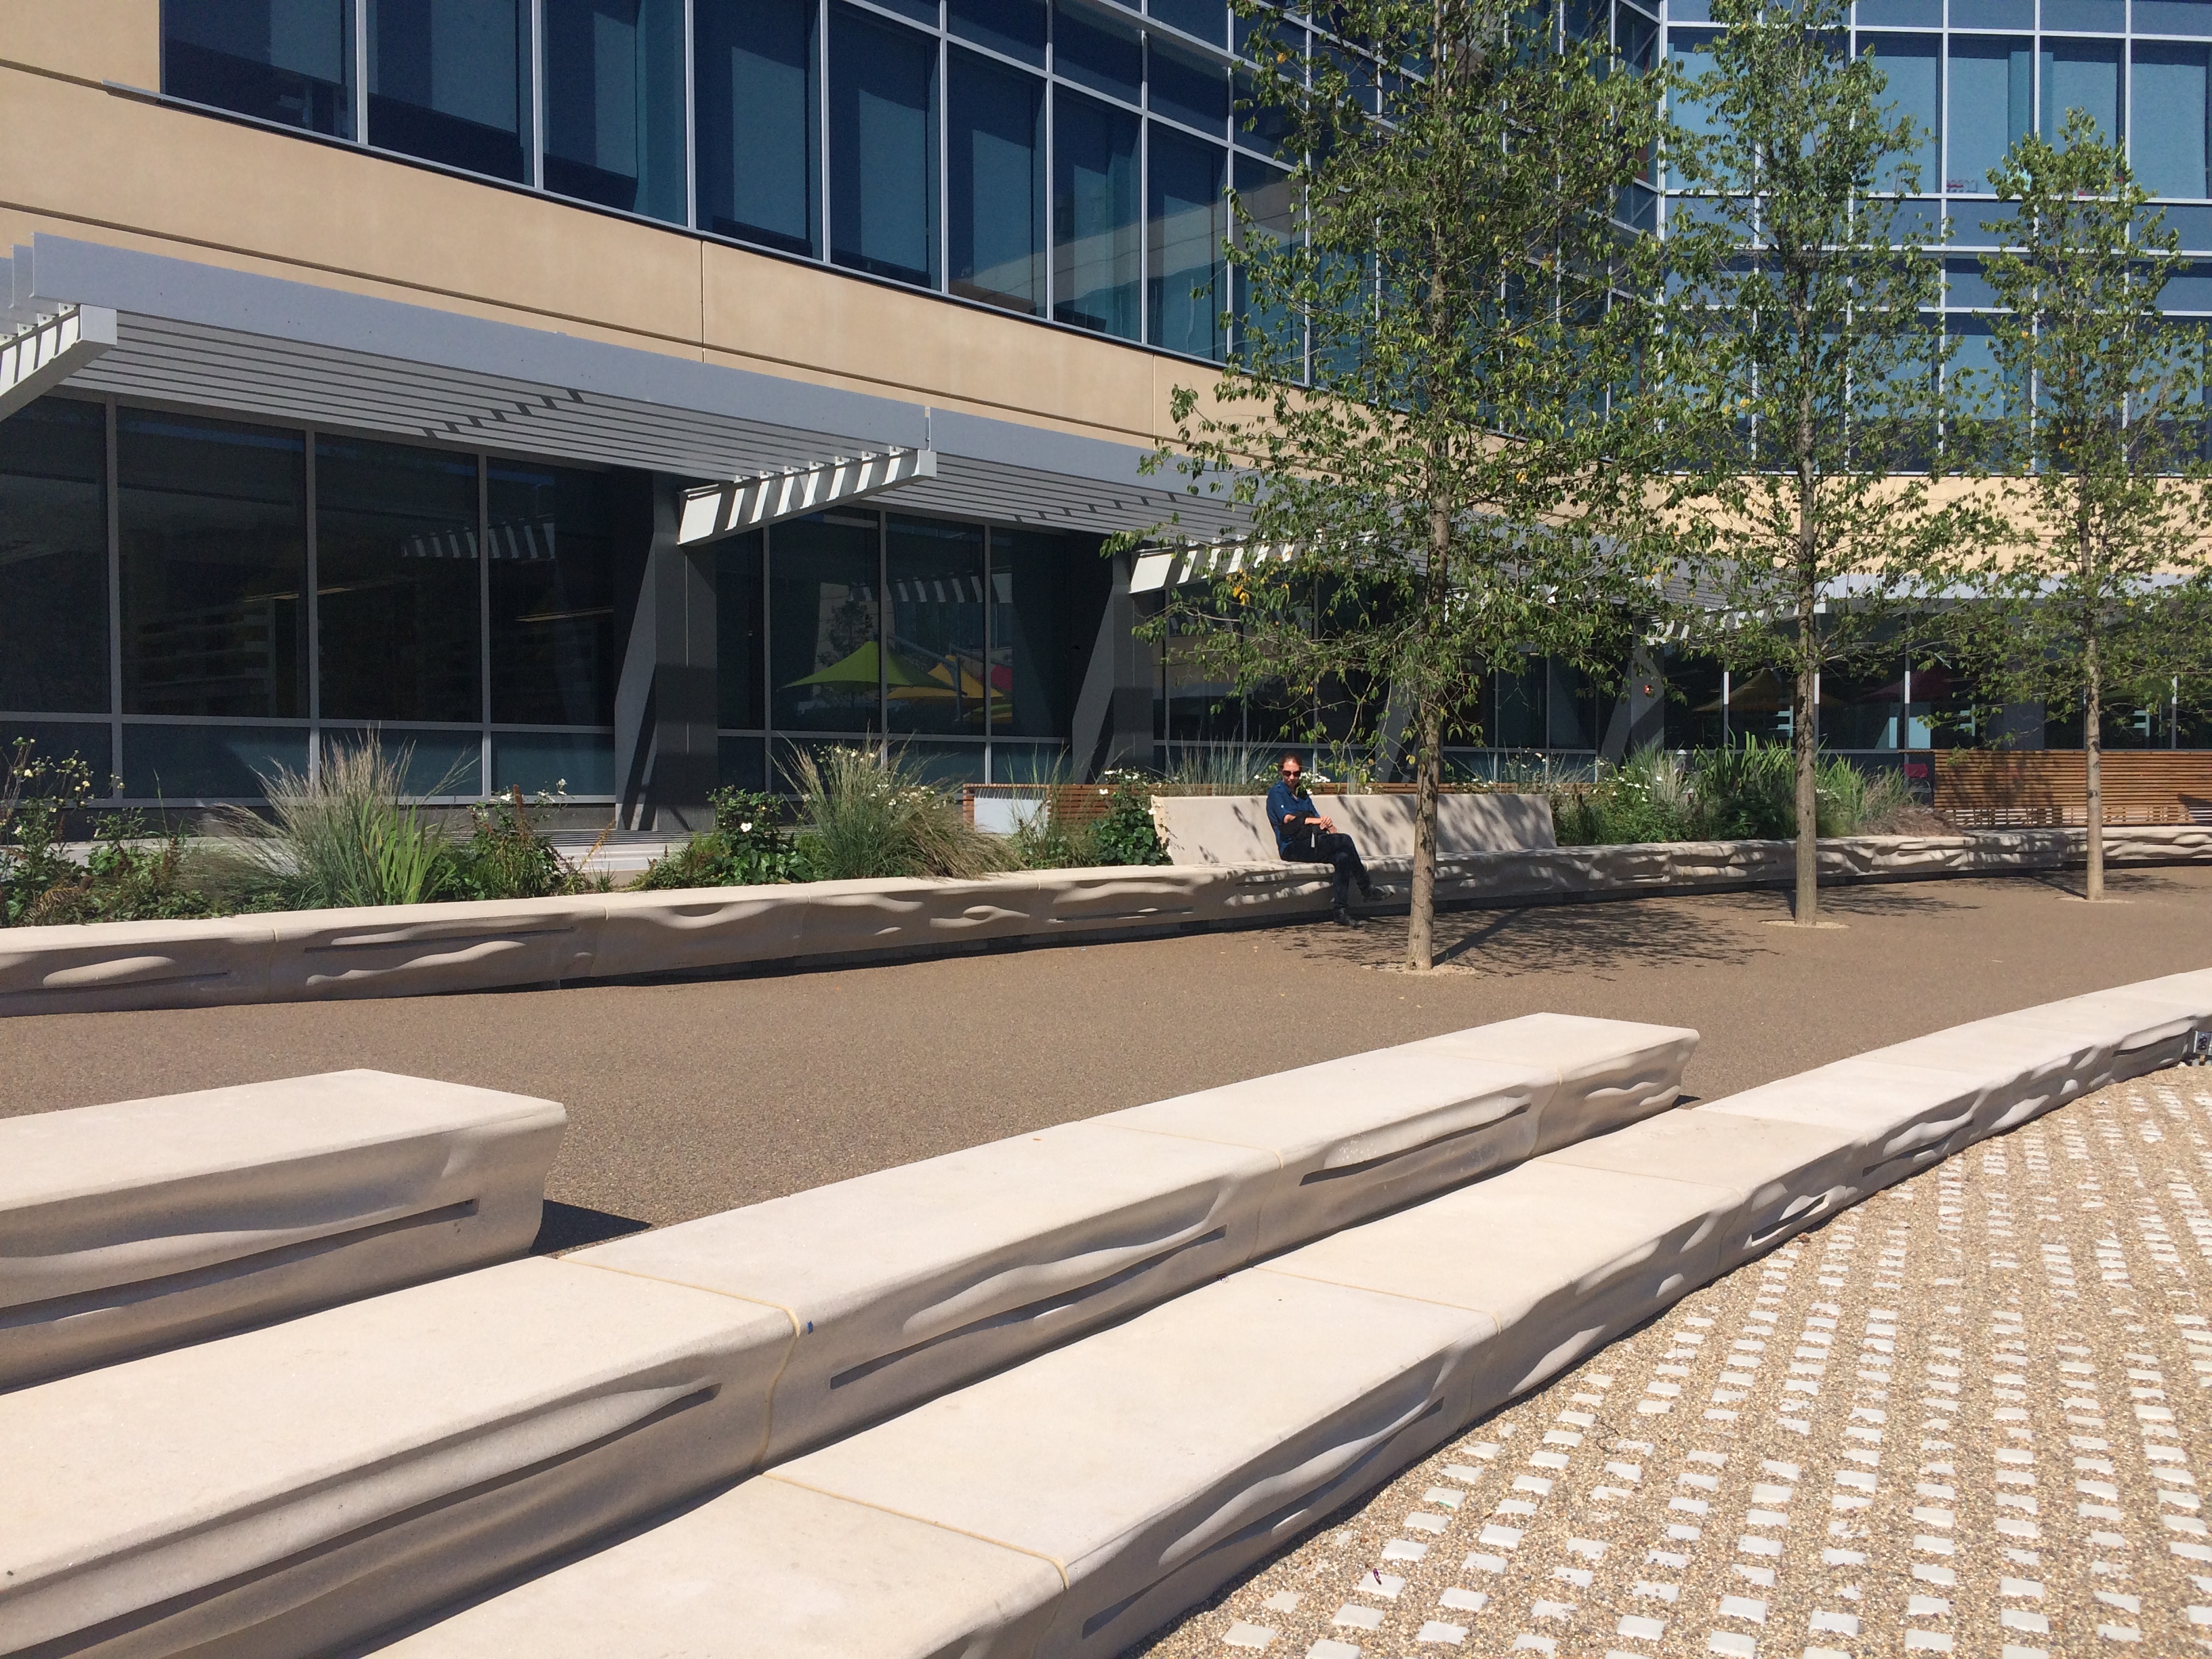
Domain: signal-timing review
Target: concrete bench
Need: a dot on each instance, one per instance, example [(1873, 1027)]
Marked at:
[(1234, 828), (577, 1408), (140, 1224), (1151, 1462)]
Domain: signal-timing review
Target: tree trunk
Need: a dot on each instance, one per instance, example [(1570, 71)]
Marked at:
[(1421, 922), (1805, 742), (2093, 757)]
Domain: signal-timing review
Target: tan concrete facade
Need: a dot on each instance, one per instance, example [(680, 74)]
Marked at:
[(81, 157)]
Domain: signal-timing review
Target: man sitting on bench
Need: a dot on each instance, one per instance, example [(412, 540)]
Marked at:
[(1304, 834)]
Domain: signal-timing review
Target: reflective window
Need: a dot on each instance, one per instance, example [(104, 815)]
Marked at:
[(2083, 75), (2086, 16), (1186, 210), (1188, 87), (614, 104), (215, 560), (53, 559), (1045, 590), (1206, 19), (278, 60), (179, 763), (2168, 147), (556, 535), (934, 672), (1099, 51), (1015, 27), (1691, 52), (1269, 335), (883, 148), (824, 668), (449, 81), (995, 171), (396, 583), (737, 613), (2173, 16), (1908, 63), (1992, 14), (1900, 14), (760, 128), (1095, 244), (1991, 105)]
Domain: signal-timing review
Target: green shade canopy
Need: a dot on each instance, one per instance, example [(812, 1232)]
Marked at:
[(865, 667)]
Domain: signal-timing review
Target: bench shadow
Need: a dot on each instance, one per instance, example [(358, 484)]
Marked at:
[(571, 1226)]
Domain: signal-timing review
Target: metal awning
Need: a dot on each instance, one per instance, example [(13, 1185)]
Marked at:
[(271, 348)]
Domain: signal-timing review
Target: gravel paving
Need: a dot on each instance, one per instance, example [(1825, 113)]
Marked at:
[(1966, 1417)]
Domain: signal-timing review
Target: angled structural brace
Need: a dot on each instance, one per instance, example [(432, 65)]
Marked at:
[(42, 342), (1163, 567), (711, 512)]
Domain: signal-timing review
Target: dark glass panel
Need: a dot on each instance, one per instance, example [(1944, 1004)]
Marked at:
[(760, 128), (1097, 241), (1046, 591), (215, 561), (1098, 52), (1990, 105), (62, 740), (996, 165), (1206, 19), (2188, 290), (2083, 75), (553, 762), (178, 764), (1016, 28), (883, 148), (1570, 706), (1965, 286), (742, 763), (614, 104), (738, 639), (1268, 335), (278, 60), (449, 81), (2170, 148), (934, 672), (1694, 717), (1187, 210), (1900, 14), (556, 535), (2173, 16), (1909, 64), (947, 765), (1262, 126), (396, 583), (438, 763), (2086, 16), (2193, 225), (1992, 14), (1188, 87), (824, 665), (53, 558)]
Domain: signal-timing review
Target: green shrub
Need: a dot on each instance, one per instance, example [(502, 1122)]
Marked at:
[(131, 873), (1126, 834), (746, 847), (337, 837), (505, 858), (1647, 797), (866, 816)]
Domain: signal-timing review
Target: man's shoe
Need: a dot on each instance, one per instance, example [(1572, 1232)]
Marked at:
[(1346, 918), (1367, 892)]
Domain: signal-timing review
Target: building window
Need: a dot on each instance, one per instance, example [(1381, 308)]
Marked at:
[(826, 668), (1098, 52), (883, 148), (1206, 19), (739, 634), (449, 81), (935, 675), (1046, 591), (760, 126), (1908, 62), (554, 532), (1188, 87), (53, 559), (1991, 106), (2171, 129), (2083, 75), (1015, 27), (614, 104), (289, 61), (1097, 242), (214, 564), (996, 176), (1186, 215), (396, 583)]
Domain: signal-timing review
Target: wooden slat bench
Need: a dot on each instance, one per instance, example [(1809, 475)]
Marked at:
[(1982, 788)]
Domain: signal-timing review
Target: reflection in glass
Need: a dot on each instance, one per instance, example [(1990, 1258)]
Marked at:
[(738, 664), (1040, 584), (1908, 62), (449, 81), (396, 581), (2083, 75), (1186, 211), (1098, 52), (1206, 19), (934, 673), (1991, 105), (439, 762), (824, 664), (2171, 127), (553, 762), (1570, 706), (1691, 51), (760, 130), (1695, 715), (883, 148), (614, 104), (996, 168), (1015, 27), (556, 534), (53, 559), (1516, 717), (1095, 232), (215, 560), (1268, 336), (289, 61), (1188, 87), (180, 764)]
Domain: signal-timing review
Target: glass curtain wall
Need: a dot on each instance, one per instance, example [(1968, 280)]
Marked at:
[(285, 61), (614, 104), (450, 81), (757, 80)]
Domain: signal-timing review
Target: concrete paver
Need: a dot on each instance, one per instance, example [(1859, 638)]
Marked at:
[(1969, 1416)]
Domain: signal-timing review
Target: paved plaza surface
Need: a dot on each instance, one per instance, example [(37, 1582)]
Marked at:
[(1968, 1416), (684, 1099)]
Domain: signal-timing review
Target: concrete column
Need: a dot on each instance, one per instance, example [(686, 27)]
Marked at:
[(665, 748)]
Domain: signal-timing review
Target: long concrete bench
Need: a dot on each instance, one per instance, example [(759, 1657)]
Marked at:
[(1078, 1501), (138, 1225), (293, 1487), (1234, 828)]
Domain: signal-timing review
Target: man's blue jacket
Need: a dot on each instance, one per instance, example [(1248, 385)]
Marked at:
[(1284, 812)]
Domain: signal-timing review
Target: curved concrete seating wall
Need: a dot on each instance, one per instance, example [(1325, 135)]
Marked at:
[(415, 949), (129, 1227), (1234, 828), (295, 1487), (1077, 1502)]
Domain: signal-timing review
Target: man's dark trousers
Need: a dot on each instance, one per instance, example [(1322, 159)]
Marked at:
[(1312, 846)]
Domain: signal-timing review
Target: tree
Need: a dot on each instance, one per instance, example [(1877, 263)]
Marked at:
[(2103, 579), (1432, 409), (1805, 338)]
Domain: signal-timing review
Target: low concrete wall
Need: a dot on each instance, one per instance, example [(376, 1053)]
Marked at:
[(1234, 828), (417, 948)]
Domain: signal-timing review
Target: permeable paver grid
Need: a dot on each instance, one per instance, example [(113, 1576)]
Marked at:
[(1968, 1416)]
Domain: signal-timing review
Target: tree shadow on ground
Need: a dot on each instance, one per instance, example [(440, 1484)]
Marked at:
[(571, 1226), (2118, 883)]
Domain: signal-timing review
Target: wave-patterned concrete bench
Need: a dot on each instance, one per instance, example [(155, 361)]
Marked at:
[(296, 1487), (137, 1225), (1072, 1504), (419, 949)]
